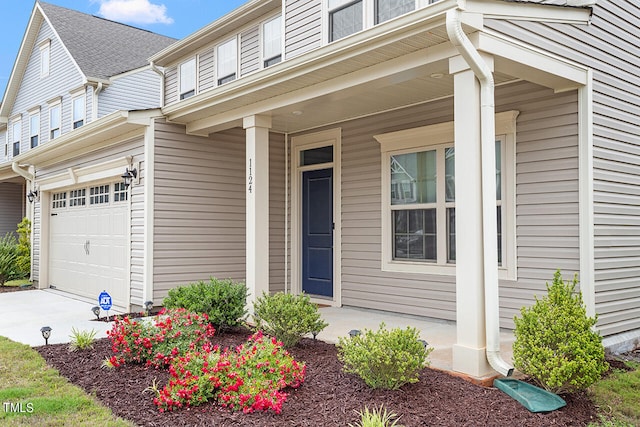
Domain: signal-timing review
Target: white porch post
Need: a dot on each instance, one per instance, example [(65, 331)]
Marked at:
[(469, 350), (257, 204)]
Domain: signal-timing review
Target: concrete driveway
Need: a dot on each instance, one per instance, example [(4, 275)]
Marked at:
[(23, 313)]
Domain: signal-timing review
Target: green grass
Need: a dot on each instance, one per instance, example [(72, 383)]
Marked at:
[(18, 282), (25, 379), (618, 397)]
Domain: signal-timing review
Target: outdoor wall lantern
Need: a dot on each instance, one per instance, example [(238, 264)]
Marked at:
[(129, 175), (354, 333), (46, 333), (96, 311), (148, 305), (32, 195)]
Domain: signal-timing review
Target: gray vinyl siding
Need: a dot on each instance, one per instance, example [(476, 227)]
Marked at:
[(170, 85), (303, 26), (206, 70), (249, 51), (199, 207), (88, 111), (610, 45), (277, 197), (135, 91), (11, 207)]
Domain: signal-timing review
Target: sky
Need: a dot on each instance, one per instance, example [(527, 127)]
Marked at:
[(173, 18)]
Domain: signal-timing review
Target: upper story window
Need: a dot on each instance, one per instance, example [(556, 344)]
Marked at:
[(272, 41), (55, 120), (227, 61), (388, 9), (15, 137), (45, 58), (78, 111), (34, 129), (188, 79)]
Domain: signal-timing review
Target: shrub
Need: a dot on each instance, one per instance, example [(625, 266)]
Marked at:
[(81, 340), (385, 359), (8, 259), (287, 317), (555, 344), (379, 417), (250, 377), (23, 260), (224, 301), (171, 334)]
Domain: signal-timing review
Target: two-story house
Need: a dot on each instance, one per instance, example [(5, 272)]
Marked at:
[(73, 76)]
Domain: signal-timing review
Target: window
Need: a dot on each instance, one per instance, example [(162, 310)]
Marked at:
[(78, 111), (17, 131), (345, 18), (54, 121), (188, 79), (272, 41), (59, 201), (99, 195), (78, 197), (45, 59), (34, 129), (388, 9), (419, 198), (120, 192), (227, 57)]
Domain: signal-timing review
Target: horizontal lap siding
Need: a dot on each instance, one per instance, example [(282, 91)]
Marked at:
[(610, 45), (11, 208), (170, 85), (303, 31), (206, 70), (199, 207), (249, 51), (276, 212), (136, 91)]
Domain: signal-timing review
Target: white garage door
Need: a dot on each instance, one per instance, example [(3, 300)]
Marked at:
[(88, 242)]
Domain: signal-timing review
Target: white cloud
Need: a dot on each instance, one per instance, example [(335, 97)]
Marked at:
[(134, 11)]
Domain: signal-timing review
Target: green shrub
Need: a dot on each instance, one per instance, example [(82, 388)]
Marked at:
[(81, 340), (379, 417), (224, 301), (287, 317), (8, 259), (555, 344), (24, 247), (386, 358)]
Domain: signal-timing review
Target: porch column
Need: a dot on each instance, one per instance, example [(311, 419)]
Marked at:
[(469, 350), (257, 206)]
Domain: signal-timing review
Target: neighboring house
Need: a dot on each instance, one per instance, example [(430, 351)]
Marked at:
[(72, 75)]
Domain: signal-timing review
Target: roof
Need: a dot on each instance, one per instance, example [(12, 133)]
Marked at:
[(103, 48)]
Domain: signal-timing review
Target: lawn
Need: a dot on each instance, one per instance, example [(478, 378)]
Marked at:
[(34, 394), (618, 396)]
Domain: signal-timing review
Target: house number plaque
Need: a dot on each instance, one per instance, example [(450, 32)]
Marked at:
[(250, 176)]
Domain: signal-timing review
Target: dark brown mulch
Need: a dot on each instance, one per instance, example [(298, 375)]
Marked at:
[(4, 289), (328, 396)]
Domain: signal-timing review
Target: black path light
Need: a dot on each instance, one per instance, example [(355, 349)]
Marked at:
[(148, 305), (354, 333), (46, 333), (129, 175), (96, 311)]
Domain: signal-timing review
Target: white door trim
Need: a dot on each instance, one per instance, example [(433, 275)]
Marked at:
[(325, 138)]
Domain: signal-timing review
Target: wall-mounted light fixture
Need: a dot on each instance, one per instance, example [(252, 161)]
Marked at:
[(32, 195), (129, 175)]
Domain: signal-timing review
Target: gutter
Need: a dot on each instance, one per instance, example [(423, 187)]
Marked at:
[(487, 125), (23, 173)]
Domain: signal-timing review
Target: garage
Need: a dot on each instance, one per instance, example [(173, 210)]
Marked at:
[(89, 241)]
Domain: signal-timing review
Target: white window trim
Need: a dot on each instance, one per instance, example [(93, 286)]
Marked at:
[(439, 136), (263, 58), (217, 59), (196, 66), (37, 133), (14, 122), (74, 119), (52, 105), (45, 48)]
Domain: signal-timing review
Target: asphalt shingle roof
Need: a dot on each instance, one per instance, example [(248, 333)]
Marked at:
[(103, 48)]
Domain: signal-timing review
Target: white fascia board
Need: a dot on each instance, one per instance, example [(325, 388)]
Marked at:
[(529, 11), (104, 170)]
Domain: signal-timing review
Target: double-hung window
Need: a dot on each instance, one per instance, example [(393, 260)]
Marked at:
[(45, 58), (227, 61), (78, 111), (34, 129), (55, 120), (419, 199), (15, 137), (345, 18), (188, 79), (389, 9), (272, 41)]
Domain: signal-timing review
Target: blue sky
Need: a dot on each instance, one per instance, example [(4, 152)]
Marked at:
[(174, 18)]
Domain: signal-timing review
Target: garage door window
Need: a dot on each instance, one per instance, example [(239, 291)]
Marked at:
[(77, 197), (120, 192), (59, 200), (99, 195)]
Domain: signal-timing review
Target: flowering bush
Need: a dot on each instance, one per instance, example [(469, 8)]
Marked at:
[(171, 334), (250, 377)]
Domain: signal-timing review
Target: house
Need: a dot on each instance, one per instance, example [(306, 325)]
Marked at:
[(435, 158), (73, 75)]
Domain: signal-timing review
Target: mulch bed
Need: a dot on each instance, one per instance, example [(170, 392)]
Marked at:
[(4, 289), (328, 396)]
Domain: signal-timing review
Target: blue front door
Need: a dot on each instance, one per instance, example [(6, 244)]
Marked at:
[(317, 232)]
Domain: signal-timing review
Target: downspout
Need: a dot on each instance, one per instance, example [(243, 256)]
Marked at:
[(487, 125), (94, 107)]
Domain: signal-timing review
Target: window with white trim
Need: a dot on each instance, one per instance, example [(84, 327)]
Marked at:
[(99, 195), (389, 9), (272, 41), (55, 120), (419, 199), (59, 200), (45, 59), (16, 133), (120, 193), (227, 61), (78, 197), (34, 129), (188, 79), (78, 111)]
